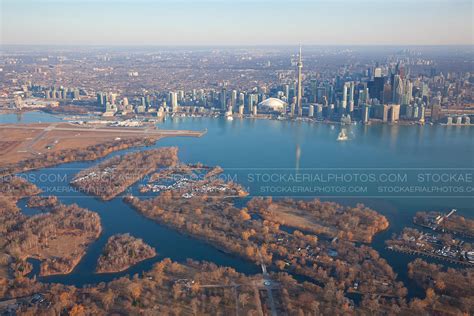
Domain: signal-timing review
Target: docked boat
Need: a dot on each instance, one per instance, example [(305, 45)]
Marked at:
[(342, 135)]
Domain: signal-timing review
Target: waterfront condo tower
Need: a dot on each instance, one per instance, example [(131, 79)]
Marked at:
[(300, 83)]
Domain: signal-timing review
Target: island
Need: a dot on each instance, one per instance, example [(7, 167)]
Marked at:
[(15, 188), (43, 202), (12, 189), (58, 238), (113, 176), (121, 252), (205, 209), (357, 223)]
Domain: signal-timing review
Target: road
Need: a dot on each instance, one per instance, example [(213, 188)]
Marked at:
[(268, 283)]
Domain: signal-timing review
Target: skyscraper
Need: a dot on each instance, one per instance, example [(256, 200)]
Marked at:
[(300, 88), (378, 72), (223, 98), (366, 116), (100, 98), (286, 90), (407, 92), (397, 89), (173, 96), (233, 99), (344, 97), (351, 97)]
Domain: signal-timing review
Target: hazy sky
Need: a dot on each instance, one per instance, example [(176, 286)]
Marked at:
[(234, 22)]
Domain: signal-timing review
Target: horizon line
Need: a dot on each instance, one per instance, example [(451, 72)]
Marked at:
[(242, 45)]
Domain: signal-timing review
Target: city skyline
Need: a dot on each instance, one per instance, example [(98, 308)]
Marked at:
[(344, 22)]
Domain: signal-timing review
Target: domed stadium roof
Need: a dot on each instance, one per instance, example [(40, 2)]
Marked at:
[(272, 104)]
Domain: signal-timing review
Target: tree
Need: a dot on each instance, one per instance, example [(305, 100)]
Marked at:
[(244, 215), (249, 251), (108, 299), (64, 298), (430, 295), (215, 301), (135, 290), (176, 291), (246, 234), (195, 306), (77, 310), (195, 287), (440, 285), (244, 299), (280, 264)]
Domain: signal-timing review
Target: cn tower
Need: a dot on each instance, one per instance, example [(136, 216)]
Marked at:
[(300, 82)]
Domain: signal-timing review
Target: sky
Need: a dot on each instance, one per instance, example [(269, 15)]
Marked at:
[(237, 22)]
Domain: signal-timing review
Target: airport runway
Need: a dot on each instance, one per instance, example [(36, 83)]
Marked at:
[(147, 131)]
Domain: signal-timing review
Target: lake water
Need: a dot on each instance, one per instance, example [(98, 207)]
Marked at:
[(28, 117), (295, 159)]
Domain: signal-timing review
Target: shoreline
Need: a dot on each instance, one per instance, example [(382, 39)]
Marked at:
[(124, 269), (262, 116), (143, 138)]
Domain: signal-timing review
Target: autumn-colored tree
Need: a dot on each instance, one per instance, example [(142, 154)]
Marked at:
[(195, 287), (244, 215), (134, 290), (440, 285), (430, 295), (176, 291), (64, 298), (195, 306), (280, 264), (77, 310), (108, 299), (246, 234), (244, 299)]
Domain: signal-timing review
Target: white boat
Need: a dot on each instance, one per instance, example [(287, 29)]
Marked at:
[(342, 135), (228, 115)]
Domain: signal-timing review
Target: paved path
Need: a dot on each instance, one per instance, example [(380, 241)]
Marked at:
[(267, 282)]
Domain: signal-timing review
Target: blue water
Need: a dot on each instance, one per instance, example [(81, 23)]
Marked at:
[(117, 217), (28, 117), (245, 148)]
